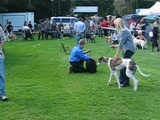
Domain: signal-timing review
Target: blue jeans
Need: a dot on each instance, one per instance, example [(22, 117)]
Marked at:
[(2, 77), (79, 36), (123, 77)]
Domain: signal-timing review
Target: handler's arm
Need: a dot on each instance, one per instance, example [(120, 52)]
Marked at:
[(117, 53)]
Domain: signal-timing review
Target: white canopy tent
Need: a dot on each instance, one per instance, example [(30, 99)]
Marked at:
[(154, 10)]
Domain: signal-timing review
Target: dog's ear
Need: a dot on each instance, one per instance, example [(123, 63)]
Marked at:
[(100, 59), (105, 59)]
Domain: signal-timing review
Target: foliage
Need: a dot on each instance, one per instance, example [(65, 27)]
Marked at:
[(46, 8), (39, 86), (3, 5), (128, 7)]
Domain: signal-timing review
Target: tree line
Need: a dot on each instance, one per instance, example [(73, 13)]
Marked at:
[(47, 8)]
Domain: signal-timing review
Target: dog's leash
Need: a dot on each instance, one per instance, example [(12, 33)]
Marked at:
[(90, 52), (108, 51)]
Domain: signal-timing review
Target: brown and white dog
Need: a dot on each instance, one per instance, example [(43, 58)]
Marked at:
[(119, 64), (10, 37)]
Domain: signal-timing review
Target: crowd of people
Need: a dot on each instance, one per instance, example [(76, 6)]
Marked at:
[(50, 27), (125, 35)]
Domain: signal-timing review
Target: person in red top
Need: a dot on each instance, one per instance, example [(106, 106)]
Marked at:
[(105, 24), (111, 24)]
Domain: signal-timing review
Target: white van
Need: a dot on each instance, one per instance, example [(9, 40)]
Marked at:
[(64, 20)]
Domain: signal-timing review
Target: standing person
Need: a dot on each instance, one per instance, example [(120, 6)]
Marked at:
[(3, 95), (87, 24), (46, 27), (105, 24), (57, 33), (41, 30), (156, 25), (79, 27), (6, 24), (92, 24), (71, 26), (30, 25), (78, 57), (53, 25), (60, 27), (127, 45), (9, 28), (100, 30), (143, 25), (25, 23), (156, 35)]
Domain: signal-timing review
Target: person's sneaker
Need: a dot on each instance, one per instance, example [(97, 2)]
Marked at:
[(70, 69), (4, 98)]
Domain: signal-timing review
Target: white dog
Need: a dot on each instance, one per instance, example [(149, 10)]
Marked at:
[(140, 42), (119, 64)]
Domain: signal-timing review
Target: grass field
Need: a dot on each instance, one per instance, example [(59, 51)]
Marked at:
[(39, 86)]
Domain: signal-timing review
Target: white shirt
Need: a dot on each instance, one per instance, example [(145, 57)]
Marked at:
[(91, 23), (25, 28)]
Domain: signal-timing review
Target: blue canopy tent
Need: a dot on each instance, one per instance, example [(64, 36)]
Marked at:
[(151, 17)]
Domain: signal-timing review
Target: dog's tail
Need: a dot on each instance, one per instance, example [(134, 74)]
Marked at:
[(141, 72)]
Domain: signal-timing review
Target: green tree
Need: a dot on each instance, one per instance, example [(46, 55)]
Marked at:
[(17, 6), (3, 4)]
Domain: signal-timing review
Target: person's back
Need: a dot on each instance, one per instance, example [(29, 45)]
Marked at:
[(25, 28), (79, 26)]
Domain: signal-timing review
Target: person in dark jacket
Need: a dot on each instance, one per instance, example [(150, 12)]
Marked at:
[(9, 28), (30, 25)]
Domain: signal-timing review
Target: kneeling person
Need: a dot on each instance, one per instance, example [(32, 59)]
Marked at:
[(77, 58)]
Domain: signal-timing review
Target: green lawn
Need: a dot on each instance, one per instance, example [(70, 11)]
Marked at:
[(39, 86)]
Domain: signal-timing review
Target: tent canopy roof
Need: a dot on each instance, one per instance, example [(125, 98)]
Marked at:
[(155, 9)]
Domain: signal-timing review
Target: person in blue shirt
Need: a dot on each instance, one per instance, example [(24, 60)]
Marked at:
[(80, 28), (126, 45), (77, 58)]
